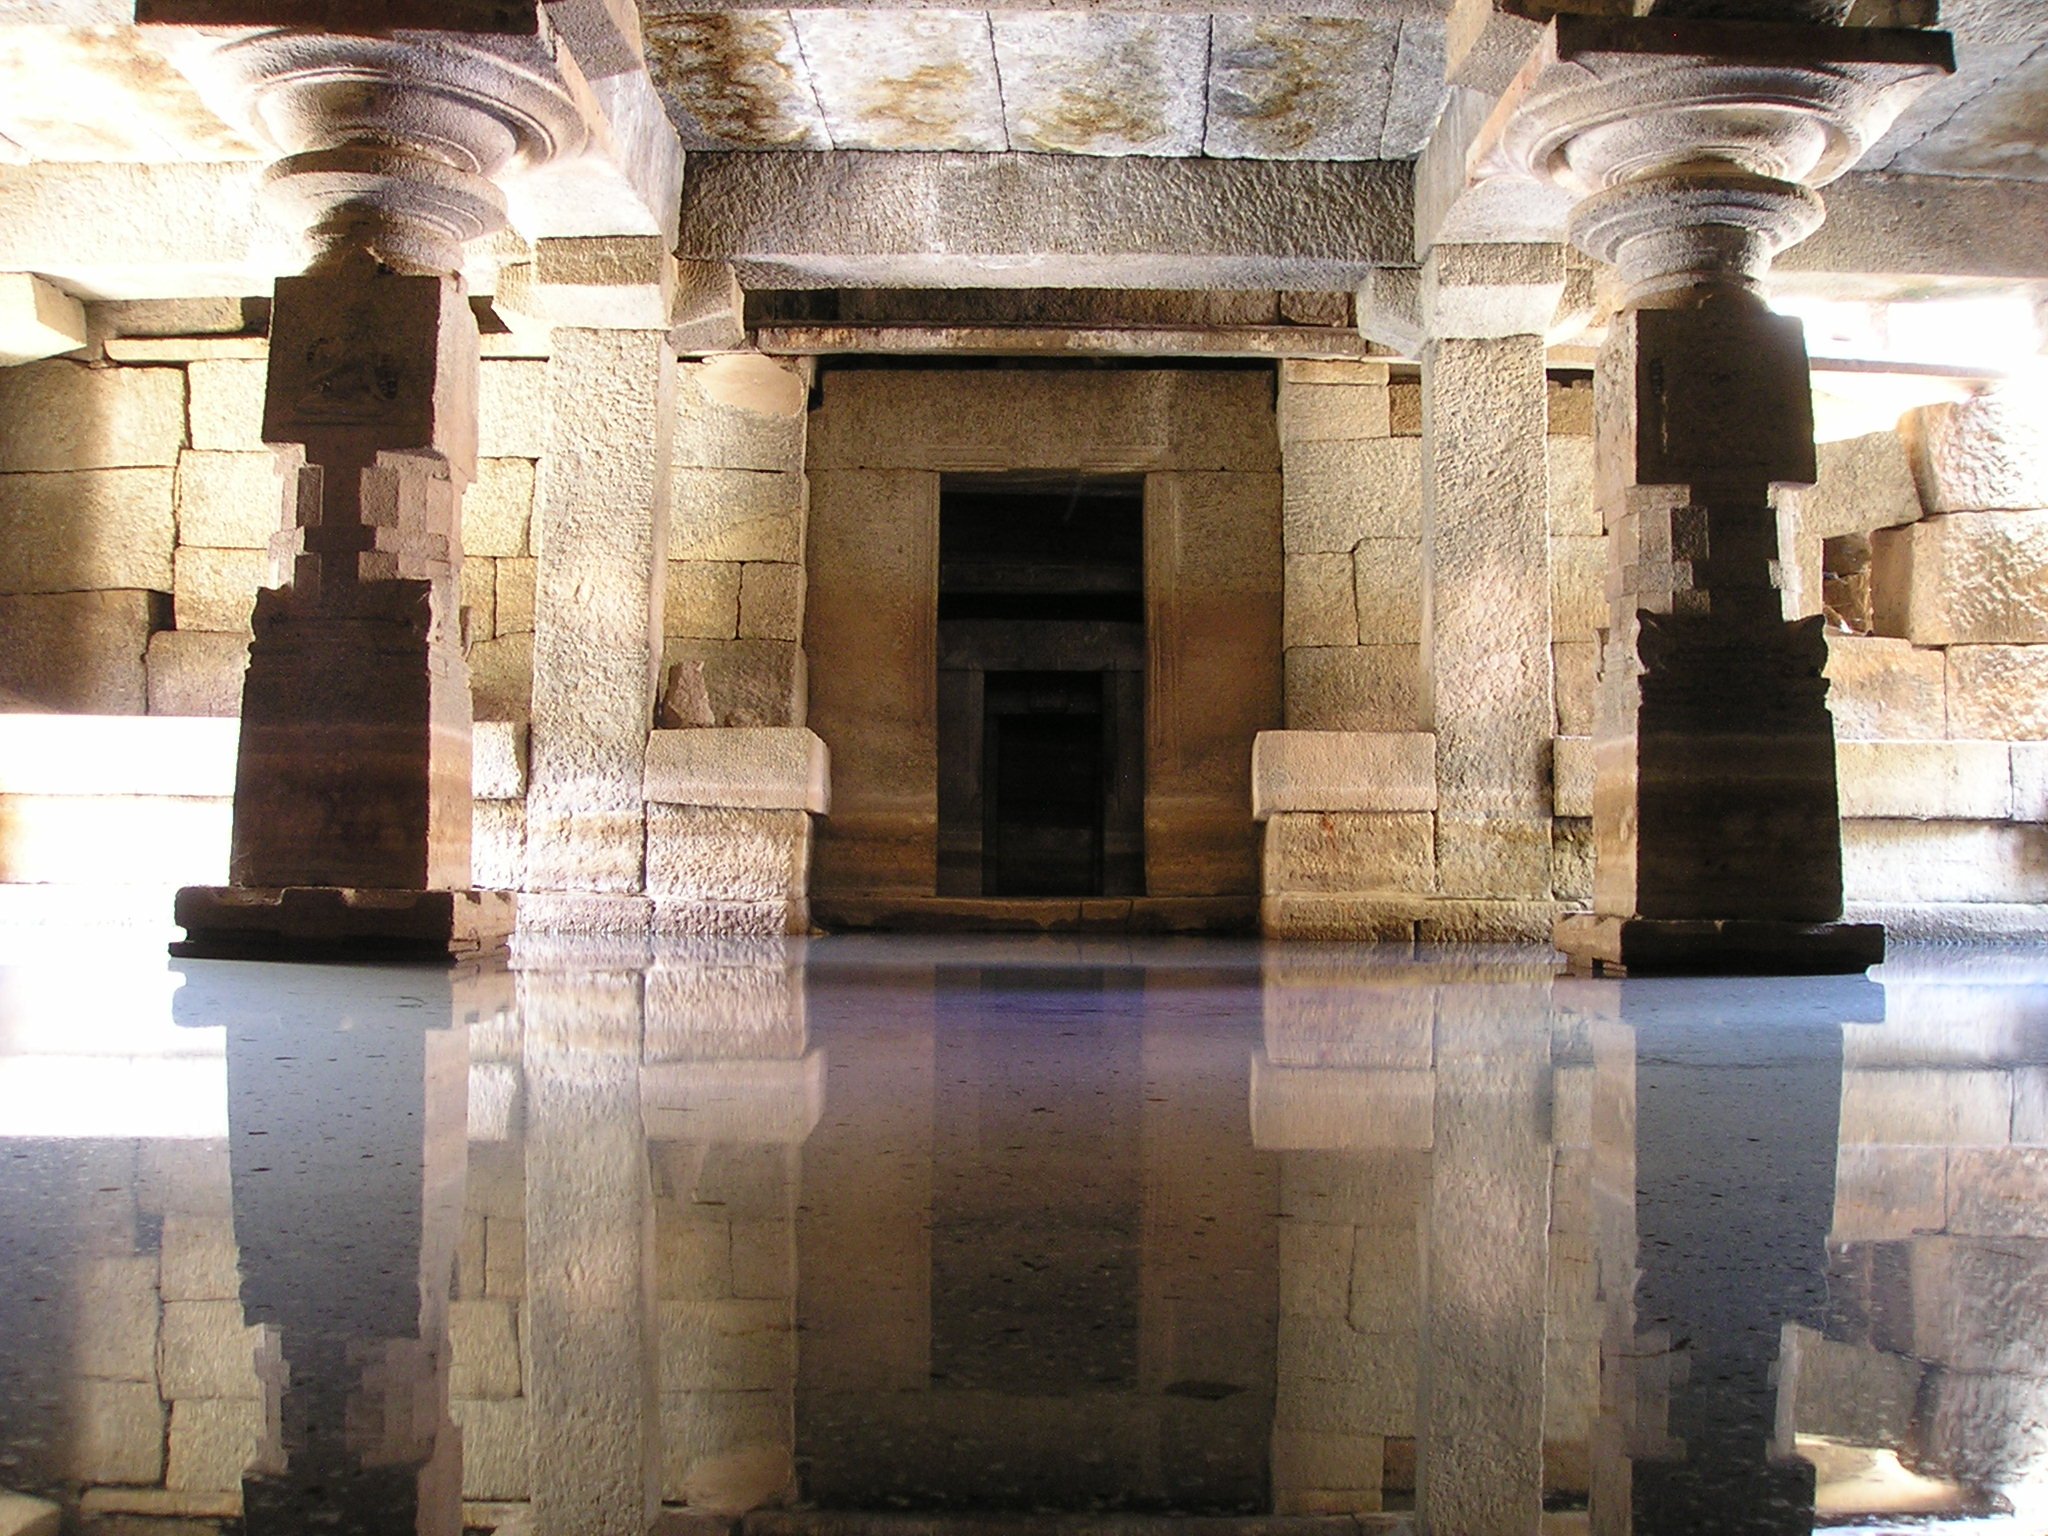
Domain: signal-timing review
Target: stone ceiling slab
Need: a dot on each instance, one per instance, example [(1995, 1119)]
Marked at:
[(1300, 88), (104, 95), (1118, 84), (911, 80), (2000, 131), (734, 80)]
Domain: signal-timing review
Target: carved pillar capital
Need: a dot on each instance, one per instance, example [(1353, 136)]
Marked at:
[(1692, 149), (393, 144)]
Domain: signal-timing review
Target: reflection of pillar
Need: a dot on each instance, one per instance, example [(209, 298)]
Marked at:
[(1485, 1292), (1717, 1291), (595, 1434), (352, 788), (1691, 148), (730, 1092), (346, 1140)]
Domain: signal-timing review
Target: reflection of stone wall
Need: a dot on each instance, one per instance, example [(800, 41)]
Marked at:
[(878, 446)]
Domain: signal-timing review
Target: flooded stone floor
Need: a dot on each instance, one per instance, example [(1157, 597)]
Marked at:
[(894, 1237)]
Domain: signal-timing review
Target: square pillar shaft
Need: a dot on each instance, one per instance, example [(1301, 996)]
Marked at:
[(604, 505), (1486, 625)]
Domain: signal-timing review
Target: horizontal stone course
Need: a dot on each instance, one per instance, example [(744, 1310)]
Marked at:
[(77, 652), (1336, 494), (229, 500), (80, 530), (1925, 780), (1964, 578), (1353, 688), (1997, 692), (63, 415), (1342, 771), (766, 768)]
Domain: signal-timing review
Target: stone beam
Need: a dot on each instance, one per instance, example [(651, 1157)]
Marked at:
[(856, 219), (1246, 341), (1884, 225), (37, 320)]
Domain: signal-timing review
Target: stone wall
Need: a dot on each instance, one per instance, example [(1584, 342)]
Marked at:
[(1203, 440)]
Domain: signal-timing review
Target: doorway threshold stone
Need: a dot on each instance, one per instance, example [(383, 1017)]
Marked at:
[(1037, 914), (1602, 945), (336, 923)]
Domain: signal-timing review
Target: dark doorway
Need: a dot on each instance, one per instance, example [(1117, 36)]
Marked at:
[(1041, 686)]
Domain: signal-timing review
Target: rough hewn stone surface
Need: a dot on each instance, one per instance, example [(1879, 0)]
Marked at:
[(497, 511), (2029, 780), (1865, 483), (1997, 692), (749, 682), (1388, 588), (1353, 688), (511, 409), (1970, 578), (501, 678), (226, 403), (762, 768), (709, 854), (1323, 413), (883, 220), (1111, 422), (62, 415), (771, 601), (216, 588), (1573, 512), (229, 500), (740, 411), (116, 1432), (1339, 493), (701, 600), (1342, 771), (212, 1442), (1319, 601), (1925, 780), (737, 514), (1944, 861), (1990, 452), (1573, 664), (196, 672), (78, 531), (1335, 852), (1883, 690), (76, 652), (1578, 587)]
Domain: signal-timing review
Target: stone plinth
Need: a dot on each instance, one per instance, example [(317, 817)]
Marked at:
[(238, 922), (1638, 946)]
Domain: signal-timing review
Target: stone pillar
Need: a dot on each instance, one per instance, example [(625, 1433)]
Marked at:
[(353, 1302), (595, 1448), (352, 794), (1691, 147), (1486, 558), (1486, 1271), (603, 502)]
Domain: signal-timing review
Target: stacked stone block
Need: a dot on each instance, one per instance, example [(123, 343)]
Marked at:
[(741, 504), (487, 1391)]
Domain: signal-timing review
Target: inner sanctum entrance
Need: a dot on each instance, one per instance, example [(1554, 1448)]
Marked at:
[(1041, 662)]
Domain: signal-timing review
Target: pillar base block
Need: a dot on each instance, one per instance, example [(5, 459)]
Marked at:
[(339, 923), (1601, 945)]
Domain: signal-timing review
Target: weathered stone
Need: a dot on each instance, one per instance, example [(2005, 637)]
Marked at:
[(1404, 407), (201, 1261), (1865, 483), (1339, 493), (115, 1311), (1944, 861), (1573, 664), (1998, 1192), (116, 1432), (1926, 1107), (1997, 692), (513, 596), (196, 672), (1315, 1268), (1342, 771), (511, 409), (727, 1451), (1573, 511), (216, 588), (1493, 856), (740, 411), (213, 1441), (37, 320), (79, 531), (229, 500), (1578, 587), (1968, 1293), (497, 511), (208, 1351), (75, 652), (1848, 1392), (727, 855), (494, 1448), (485, 1344), (766, 769), (501, 678), (1572, 776), (1987, 453), (1311, 371), (1571, 858), (63, 415), (1341, 852), (1389, 591), (1326, 413), (702, 600), (1885, 690), (1967, 578), (1931, 780), (1886, 1193), (1491, 291), (1569, 407), (227, 403), (1353, 688), (738, 514), (750, 682), (479, 588), (22, 1515), (771, 601), (1386, 1282), (1319, 603), (497, 844), (2029, 780)]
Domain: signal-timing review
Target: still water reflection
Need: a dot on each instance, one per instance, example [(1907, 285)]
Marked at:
[(1309, 1239)]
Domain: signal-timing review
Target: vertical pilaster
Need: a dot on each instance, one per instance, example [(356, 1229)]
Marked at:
[(603, 502), (1486, 1267), (594, 1417), (1486, 562)]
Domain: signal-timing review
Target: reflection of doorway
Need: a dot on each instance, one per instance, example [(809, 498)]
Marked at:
[(1041, 686)]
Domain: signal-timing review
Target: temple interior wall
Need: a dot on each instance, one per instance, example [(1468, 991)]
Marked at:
[(1284, 590)]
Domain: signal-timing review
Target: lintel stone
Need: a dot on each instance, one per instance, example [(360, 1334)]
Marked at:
[(1486, 291), (37, 319), (1925, 780)]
